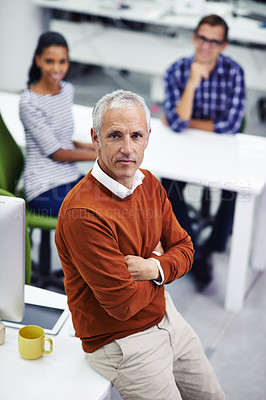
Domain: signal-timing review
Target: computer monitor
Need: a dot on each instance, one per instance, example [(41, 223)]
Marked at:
[(14, 311), (12, 258)]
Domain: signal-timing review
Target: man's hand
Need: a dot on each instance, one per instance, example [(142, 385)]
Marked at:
[(141, 269), (198, 72)]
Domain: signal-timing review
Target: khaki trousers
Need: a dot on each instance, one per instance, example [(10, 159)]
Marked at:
[(165, 362)]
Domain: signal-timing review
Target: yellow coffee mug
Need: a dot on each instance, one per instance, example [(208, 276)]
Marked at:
[(31, 342)]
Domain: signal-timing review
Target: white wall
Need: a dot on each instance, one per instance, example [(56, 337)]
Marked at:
[(21, 23)]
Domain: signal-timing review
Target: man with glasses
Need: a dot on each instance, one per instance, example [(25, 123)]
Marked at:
[(205, 91)]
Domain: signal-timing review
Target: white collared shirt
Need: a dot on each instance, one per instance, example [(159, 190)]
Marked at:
[(115, 187), (122, 191)]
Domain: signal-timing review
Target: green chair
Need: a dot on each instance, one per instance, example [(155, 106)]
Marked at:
[(11, 166), (27, 245)]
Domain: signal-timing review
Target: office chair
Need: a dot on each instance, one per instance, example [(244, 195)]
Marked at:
[(11, 166), (27, 244)]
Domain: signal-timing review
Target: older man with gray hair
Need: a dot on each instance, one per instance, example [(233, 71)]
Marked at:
[(119, 244)]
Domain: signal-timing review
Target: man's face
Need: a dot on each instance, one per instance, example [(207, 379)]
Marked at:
[(123, 141), (206, 52)]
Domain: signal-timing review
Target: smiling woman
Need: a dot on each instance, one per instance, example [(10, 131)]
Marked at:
[(46, 113), (54, 64)]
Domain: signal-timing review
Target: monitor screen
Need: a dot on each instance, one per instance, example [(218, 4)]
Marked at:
[(12, 258)]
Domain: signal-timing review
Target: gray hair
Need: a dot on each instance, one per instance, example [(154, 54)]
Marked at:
[(118, 99)]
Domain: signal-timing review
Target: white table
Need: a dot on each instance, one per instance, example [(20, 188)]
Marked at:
[(233, 162), (152, 53), (157, 12), (148, 53), (63, 374)]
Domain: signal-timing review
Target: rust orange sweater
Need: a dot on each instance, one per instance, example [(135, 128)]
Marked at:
[(95, 231)]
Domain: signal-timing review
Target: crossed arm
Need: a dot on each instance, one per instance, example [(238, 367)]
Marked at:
[(122, 283), (142, 269)]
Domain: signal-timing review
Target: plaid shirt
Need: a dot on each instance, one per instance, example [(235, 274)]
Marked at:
[(221, 98)]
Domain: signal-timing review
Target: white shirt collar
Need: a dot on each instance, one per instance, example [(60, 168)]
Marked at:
[(115, 187)]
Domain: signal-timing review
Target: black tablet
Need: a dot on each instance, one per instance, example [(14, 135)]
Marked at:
[(51, 319)]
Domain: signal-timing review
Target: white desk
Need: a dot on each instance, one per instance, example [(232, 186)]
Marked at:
[(233, 162), (156, 12), (152, 53), (63, 374)]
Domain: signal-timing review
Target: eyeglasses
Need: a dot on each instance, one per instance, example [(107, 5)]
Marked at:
[(212, 42)]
